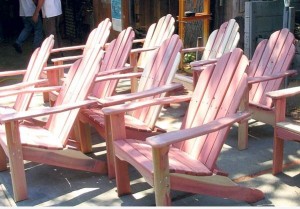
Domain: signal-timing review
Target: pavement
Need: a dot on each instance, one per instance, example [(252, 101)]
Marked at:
[(55, 186)]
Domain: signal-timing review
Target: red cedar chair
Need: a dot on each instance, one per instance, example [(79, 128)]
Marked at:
[(185, 160), (284, 129), (48, 144), (156, 35), (98, 35), (268, 67), (155, 81), (31, 77), (220, 41), (115, 58)]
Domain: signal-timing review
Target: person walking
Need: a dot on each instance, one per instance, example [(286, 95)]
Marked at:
[(26, 11), (51, 12)]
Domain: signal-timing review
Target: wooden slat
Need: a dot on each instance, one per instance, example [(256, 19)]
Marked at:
[(34, 70)]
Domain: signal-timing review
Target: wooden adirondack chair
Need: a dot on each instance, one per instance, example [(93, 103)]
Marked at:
[(267, 69), (31, 76), (48, 144), (98, 35), (186, 159), (155, 81), (156, 35), (115, 58), (220, 41), (284, 129)]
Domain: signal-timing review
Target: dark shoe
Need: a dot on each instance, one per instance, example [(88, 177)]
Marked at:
[(17, 48)]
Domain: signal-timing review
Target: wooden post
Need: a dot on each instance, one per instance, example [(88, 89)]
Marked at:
[(115, 129), (161, 176), (278, 143), (243, 125), (206, 10), (15, 156)]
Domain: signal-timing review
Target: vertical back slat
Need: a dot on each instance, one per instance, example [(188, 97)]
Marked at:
[(159, 71), (116, 56), (77, 88), (34, 70)]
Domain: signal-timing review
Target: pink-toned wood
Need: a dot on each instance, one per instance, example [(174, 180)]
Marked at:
[(17, 170), (48, 144), (189, 155), (281, 131), (270, 64), (221, 41), (113, 63), (156, 35), (98, 35), (156, 79), (31, 75)]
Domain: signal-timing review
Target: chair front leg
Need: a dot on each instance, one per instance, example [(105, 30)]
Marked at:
[(243, 125), (161, 176), (277, 155), (15, 156)]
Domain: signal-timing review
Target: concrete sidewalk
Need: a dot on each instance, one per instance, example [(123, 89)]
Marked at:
[(54, 186)]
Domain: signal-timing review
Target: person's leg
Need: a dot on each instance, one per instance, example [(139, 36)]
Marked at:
[(57, 28), (26, 31), (38, 33), (50, 25)]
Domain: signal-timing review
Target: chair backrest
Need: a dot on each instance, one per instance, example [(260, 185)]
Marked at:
[(156, 34), (222, 40), (116, 55), (34, 69), (271, 57), (98, 35), (159, 70), (217, 94), (75, 88)]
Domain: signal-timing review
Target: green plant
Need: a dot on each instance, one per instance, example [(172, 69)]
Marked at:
[(189, 57)]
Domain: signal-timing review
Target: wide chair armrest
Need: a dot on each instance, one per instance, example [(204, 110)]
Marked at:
[(66, 59), (21, 85), (43, 111), (122, 108), (139, 40), (68, 48), (118, 76), (29, 90), (125, 69), (166, 139), (140, 50), (258, 79), (12, 72), (193, 49), (283, 93), (56, 67), (119, 99), (200, 65)]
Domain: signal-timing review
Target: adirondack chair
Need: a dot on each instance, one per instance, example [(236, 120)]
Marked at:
[(115, 58), (186, 159), (48, 144), (31, 76), (267, 69), (220, 41), (155, 81), (156, 35), (284, 129), (98, 35)]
